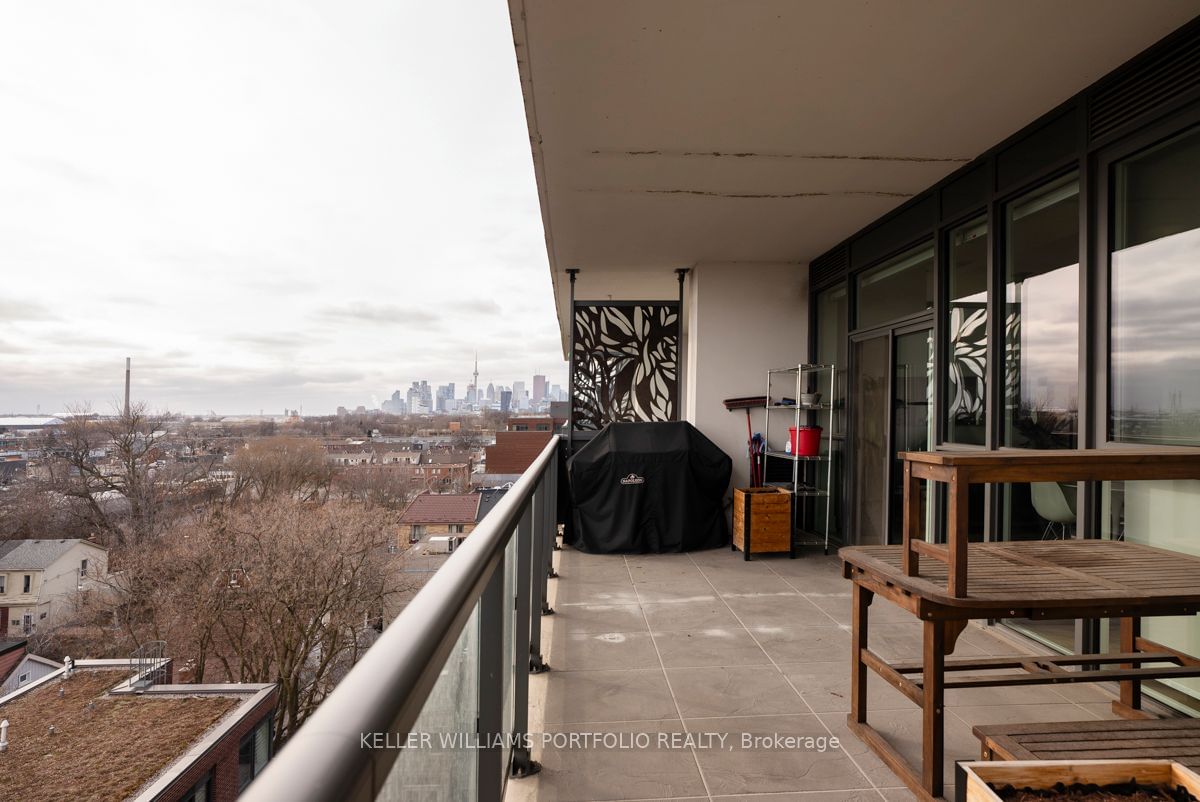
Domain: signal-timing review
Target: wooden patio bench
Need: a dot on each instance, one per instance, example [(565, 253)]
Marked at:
[(1162, 739)]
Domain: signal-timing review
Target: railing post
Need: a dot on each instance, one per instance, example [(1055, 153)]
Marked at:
[(553, 469), (489, 757), (537, 584), (559, 454), (523, 763)]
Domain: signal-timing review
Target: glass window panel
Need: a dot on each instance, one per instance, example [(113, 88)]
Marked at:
[(1041, 366), (1041, 350), (912, 425), (896, 289), (1155, 389), (869, 522), (445, 769), (832, 322), (967, 328)]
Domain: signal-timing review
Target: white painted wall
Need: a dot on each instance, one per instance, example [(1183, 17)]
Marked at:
[(742, 319)]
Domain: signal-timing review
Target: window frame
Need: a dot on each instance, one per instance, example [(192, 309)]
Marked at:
[(1103, 241)]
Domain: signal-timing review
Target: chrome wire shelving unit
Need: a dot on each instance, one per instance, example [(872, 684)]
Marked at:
[(802, 380)]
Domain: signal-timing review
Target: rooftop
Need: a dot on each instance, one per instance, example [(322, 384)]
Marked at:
[(445, 508), (443, 458), (35, 554), (488, 497), (106, 746)]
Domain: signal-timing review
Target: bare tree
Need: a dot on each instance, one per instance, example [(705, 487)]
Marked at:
[(29, 510), (113, 468), (280, 591), (391, 487), (281, 466)]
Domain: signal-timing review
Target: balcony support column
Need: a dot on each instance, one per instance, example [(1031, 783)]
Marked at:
[(489, 757), (539, 606), (523, 764)]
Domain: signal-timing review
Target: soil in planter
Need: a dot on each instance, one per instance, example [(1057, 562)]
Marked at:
[(1090, 792)]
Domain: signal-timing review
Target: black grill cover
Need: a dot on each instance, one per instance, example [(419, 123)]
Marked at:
[(649, 487)]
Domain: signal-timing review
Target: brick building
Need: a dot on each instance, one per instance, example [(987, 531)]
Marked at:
[(514, 452)]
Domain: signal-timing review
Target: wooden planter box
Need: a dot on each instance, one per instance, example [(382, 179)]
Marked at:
[(972, 782), (762, 520)]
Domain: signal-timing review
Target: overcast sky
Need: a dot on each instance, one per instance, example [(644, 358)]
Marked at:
[(265, 204)]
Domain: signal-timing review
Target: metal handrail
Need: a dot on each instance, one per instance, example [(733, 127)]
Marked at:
[(387, 689)]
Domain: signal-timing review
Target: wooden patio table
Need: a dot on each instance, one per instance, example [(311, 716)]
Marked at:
[(1057, 579)]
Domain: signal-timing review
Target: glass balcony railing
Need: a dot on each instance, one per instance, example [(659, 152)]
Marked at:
[(438, 708)]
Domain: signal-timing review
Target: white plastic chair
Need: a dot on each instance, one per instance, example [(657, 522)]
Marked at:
[(1050, 501)]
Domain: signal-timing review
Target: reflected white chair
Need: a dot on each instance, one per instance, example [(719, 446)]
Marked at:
[(1050, 501)]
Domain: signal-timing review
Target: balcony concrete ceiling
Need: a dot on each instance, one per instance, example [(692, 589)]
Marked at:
[(671, 132)]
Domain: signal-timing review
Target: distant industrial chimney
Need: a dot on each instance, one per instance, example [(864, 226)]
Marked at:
[(127, 361)]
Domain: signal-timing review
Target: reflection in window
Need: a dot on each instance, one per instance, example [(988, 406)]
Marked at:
[(1155, 397), (896, 289), (1041, 350), (966, 367), (1041, 366)]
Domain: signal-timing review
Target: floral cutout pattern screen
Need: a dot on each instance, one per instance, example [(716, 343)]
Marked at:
[(625, 363)]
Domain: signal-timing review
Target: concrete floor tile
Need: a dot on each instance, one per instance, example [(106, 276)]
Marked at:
[(738, 691), (750, 768), (775, 608), (587, 773), (608, 695), (587, 651), (684, 615), (826, 687), (817, 644), (599, 618), (718, 646)]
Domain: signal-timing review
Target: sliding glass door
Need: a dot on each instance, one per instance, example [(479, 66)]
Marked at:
[(892, 377)]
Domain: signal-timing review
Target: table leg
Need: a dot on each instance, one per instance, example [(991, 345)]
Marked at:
[(933, 724), (858, 669), (956, 535), (1131, 689), (912, 521)]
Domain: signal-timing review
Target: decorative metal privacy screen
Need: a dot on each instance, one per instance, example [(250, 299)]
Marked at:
[(967, 368), (624, 363)]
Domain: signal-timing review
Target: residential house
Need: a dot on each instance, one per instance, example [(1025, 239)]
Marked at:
[(394, 454), (439, 514), (40, 578), (444, 469), (348, 457), (18, 667)]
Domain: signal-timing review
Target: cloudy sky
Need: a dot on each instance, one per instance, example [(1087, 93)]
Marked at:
[(265, 204)]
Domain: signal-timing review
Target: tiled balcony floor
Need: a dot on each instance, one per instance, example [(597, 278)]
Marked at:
[(707, 643)]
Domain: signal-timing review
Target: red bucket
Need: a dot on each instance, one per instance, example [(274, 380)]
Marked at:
[(806, 440)]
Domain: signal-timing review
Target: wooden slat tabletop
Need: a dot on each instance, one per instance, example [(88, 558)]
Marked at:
[(1045, 574), (1063, 465), (1174, 739)]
